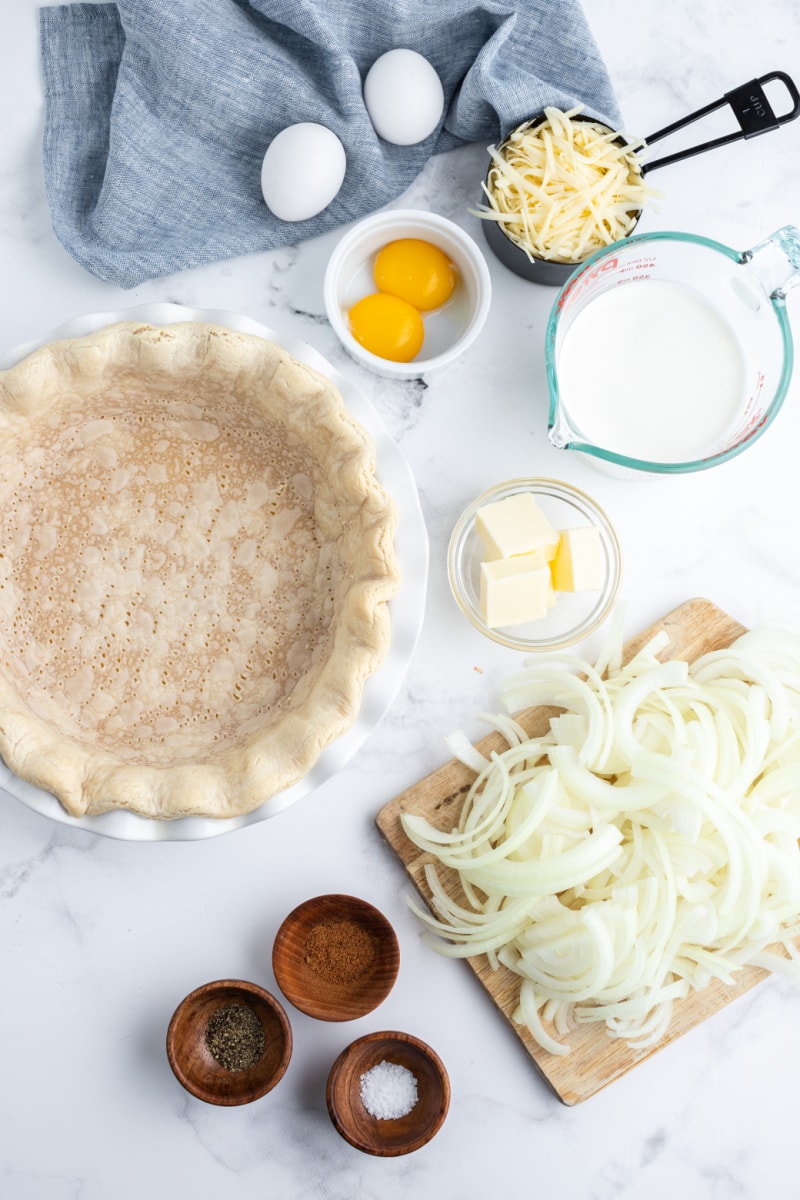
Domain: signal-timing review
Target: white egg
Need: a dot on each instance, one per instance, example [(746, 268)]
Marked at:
[(302, 171), (404, 97)]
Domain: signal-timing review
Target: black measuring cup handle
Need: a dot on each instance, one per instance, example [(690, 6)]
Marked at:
[(752, 109)]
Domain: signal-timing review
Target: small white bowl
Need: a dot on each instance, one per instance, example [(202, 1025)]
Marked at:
[(450, 329), (575, 615)]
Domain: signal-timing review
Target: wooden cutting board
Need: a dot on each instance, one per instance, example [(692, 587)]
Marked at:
[(595, 1060)]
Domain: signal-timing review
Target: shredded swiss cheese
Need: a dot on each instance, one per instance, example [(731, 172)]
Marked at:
[(563, 188)]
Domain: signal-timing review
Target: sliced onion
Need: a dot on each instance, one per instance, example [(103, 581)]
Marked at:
[(641, 847)]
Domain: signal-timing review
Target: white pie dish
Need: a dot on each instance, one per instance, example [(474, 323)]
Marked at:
[(406, 609)]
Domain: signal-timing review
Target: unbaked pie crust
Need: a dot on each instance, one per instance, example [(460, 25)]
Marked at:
[(195, 563)]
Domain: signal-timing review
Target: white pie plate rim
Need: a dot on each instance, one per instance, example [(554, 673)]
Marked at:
[(407, 608)]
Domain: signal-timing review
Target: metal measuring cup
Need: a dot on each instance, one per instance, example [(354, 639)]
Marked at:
[(754, 114)]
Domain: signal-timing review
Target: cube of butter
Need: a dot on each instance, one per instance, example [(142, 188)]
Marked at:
[(578, 564), (515, 525), (515, 590)]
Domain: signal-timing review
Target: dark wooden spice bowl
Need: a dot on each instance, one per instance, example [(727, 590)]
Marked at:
[(336, 957), (196, 1067), (388, 1137)]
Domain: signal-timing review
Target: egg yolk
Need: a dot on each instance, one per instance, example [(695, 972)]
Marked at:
[(415, 271), (387, 326)]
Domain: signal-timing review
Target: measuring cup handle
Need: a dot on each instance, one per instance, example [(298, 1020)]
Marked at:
[(770, 259), (751, 108)]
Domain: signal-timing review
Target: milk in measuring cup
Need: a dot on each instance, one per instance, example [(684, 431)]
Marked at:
[(651, 371)]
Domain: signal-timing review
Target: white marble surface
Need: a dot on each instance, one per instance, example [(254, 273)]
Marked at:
[(100, 939)]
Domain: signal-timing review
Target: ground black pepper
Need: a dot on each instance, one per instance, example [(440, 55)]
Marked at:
[(235, 1037), (340, 951)]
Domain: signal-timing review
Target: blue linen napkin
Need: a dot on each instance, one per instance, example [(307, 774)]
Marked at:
[(158, 112)]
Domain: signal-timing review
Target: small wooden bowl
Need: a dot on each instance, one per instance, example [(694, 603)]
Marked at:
[(197, 1069), (388, 1137), (324, 977)]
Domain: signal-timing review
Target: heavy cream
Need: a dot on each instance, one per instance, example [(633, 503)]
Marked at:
[(649, 370)]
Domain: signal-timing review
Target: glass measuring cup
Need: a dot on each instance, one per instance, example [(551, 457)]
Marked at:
[(745, 291)]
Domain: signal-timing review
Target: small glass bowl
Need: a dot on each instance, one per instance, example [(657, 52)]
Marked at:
[(575, 615)]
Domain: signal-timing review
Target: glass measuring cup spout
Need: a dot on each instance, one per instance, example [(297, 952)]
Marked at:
[(669, 352)]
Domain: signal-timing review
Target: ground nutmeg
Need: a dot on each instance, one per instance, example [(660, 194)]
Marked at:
[(339, 951)]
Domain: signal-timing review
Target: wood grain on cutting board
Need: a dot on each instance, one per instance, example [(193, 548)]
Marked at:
[(595, 1060)]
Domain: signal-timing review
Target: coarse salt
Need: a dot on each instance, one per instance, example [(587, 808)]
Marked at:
[(388, 1091)]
